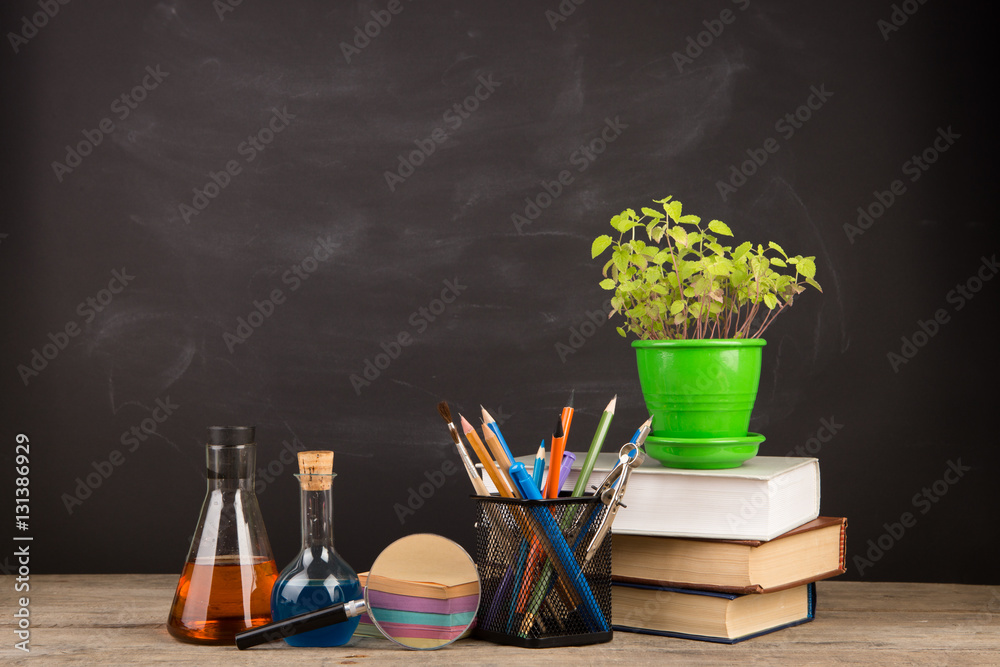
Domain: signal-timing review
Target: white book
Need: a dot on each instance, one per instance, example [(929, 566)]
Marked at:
[(760, 500)]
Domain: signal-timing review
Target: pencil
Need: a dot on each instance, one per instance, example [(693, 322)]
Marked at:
[(503, 486), (555, 459), (595, 448), (493, 426), (538, 472)]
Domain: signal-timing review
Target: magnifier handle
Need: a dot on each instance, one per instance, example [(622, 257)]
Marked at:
[(296, 625)]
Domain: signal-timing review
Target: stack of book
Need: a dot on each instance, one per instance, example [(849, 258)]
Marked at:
[(721, 555)]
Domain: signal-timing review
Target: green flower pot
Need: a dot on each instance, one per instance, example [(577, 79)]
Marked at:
[(703, 453), (699, 388)]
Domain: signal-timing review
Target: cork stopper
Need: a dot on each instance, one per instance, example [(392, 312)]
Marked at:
[(316, 470)]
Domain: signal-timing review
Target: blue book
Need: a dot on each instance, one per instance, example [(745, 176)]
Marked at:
[(707, 615)]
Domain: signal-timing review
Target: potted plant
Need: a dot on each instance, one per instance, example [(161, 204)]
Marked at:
[(699, 309)]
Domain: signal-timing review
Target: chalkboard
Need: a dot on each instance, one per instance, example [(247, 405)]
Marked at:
[(325, 218)]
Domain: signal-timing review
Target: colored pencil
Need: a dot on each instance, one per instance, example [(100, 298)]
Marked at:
[(595, 448), (503, 486), (555, 459)]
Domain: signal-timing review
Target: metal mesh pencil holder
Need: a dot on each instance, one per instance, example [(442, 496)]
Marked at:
[(536, 590)]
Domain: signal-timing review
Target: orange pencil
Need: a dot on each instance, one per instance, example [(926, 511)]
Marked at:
[(503, 486)]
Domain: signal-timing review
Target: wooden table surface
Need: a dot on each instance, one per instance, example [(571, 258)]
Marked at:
[(120, 619)]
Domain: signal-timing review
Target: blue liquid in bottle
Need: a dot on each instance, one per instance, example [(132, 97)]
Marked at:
[(318, 577)]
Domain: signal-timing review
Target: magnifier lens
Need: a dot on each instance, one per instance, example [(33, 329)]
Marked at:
[(423, 591)]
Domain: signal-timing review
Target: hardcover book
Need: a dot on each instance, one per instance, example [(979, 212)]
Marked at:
[(760, 500), (813, 551), (707, 615)]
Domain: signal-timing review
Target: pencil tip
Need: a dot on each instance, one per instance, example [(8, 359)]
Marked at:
[(486, 416), (572, 396), (648, 421), (612, 404), (466, 426)]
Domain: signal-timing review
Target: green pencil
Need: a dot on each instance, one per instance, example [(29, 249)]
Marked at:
[(595, 448)]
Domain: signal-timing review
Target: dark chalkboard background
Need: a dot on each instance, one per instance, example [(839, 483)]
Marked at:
[(520, 295)]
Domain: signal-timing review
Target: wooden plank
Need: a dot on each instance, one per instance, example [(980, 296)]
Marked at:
[(83, 619)]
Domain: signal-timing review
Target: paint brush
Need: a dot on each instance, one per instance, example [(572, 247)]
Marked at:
[(470, 468)]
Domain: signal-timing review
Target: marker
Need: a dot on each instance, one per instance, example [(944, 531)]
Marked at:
[(567, 464)]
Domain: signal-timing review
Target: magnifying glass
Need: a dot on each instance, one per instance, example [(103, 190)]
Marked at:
[(422, 592)]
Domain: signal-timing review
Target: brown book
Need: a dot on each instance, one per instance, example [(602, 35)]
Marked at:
[(813, 551)]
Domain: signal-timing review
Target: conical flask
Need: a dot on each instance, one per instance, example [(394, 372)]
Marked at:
[(225, 587), (318, 577)]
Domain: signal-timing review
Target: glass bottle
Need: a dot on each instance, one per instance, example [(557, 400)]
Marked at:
[(225, 586), (318, 577)]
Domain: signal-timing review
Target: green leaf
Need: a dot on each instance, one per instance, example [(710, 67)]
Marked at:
[(813, 283), (679, 235), (775, 246), (689, 219), (677, 306), (741, 250), (608, 283), (770, 301), (656, 215), (621, 332), (778, 262), (601, 244), (673, 209), (807, 267), (719, 227)]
